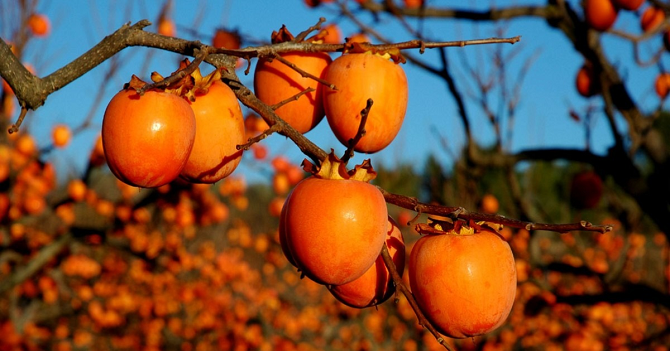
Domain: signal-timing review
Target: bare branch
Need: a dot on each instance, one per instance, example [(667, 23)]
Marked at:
[(459, 212)]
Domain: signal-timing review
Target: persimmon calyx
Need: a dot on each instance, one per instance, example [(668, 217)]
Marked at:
[(457, 227), (281, 36), (334, 168), (363, 48), (189, 85)]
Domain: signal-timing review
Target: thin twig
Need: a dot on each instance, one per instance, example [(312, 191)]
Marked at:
[(458, 212), (273, 129), (15, 127), (400, 285), (302, 35), (359, 134), (292, 98), (303, 72)]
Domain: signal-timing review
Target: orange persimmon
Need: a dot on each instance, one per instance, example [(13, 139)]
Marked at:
[(147, 139), (359, 77), (464, 282)]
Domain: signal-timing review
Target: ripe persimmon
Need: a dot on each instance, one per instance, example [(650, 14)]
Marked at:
[(334, 223), (39, 24), (490, 204), (413, 4), (600, 14), (376, 285), (219, 129), (61, 135), (167, 27), (358, 38), (147, 139), (330, 34), (662, 85), (359, 77), (651, 18), (275, 82), (226, 39), (630, 5), (464, 282), (586, 82), (586, 189)]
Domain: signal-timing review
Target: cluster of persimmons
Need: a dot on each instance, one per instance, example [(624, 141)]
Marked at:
[(601, 15), (194, 129)]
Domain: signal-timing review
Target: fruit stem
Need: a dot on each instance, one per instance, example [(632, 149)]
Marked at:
[(359, 134), (400, 285)]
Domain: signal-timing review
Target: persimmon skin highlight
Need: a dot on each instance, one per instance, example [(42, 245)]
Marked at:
[(219, 129), (359, 77), (464, 284), (275, 82), (147, 139), (334, 229)]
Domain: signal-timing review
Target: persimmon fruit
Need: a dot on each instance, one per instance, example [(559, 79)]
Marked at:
[(147, 139), (224, 38), (61, 135), (275, 82), (651, 18), (334, 224), (490, 204), (359, 77), (331, 34), (630, 5), (662, 85), (586, 189), (39, 24), (585, 81), (464, 282), (413, 4), (219, 129), (376, 285), (358, 38), (600, 14), (167, 27)]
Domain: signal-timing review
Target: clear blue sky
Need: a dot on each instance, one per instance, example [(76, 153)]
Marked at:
[(542, 118)]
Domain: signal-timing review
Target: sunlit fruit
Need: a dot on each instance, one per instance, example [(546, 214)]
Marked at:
[(586, 82), (651, 18), (275, 82), (358, 38), (167, 27), (76, 190), (490, 204), (662, 85), (586, 189), (630, 5), (359, 77), (376, 285), (147, 139), (465, 282), (61, 135), (260, 151), (600, 14), (226, 39), (315, 3), (413, 4), (219, 129), (334, 227), (331, 34), (39, 24)]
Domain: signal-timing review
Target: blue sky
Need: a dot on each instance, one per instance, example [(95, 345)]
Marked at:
[(542, 118)]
